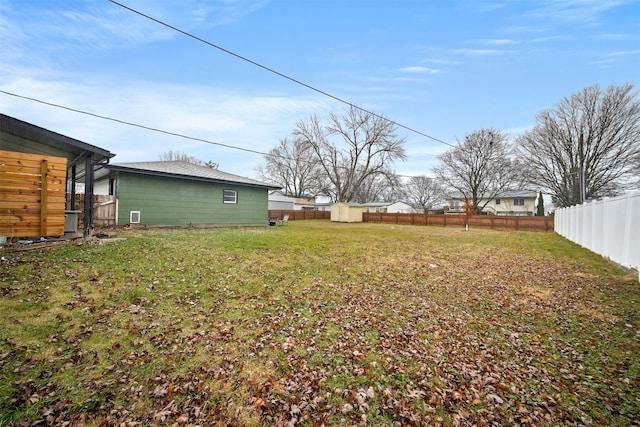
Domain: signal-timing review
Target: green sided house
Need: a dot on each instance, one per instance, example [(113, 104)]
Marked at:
[(175, 193)]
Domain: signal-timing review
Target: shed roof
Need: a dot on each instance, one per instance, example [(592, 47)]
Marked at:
[(186, 170)]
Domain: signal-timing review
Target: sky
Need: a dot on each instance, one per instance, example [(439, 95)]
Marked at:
[(444, 68)]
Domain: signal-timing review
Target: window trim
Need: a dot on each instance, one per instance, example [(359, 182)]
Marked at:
[(497, 201), (226, 193), (132, 215), (518, 201)]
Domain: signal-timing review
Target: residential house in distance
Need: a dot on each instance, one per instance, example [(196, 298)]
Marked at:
[(278, 200), (388, 207), (507, 203), (177, 193)]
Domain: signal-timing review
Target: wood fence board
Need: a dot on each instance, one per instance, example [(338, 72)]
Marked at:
[(32, 193), (31, 206), (29, 169), (56, 210), (11, 201), (31, 182)]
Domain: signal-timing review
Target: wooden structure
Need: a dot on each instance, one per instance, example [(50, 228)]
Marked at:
[(18, 137), (104, 209), (32, 194), (299, 214), (346, 212), (495, 222)]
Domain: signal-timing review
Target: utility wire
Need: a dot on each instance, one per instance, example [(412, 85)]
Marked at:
[(166, 132), (149, 128), (271, 70)]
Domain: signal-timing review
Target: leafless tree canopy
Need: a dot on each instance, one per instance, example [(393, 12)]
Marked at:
[(293, 166), (384, 187), (587, 146), (424, 191), (479, 168), (184, 157), (351, 148)]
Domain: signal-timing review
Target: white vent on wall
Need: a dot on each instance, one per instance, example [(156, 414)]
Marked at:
[(134, 217)]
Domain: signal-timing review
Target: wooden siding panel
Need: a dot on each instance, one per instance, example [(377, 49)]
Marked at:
[(30, 206)]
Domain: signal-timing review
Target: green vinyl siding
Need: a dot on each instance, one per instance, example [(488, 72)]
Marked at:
[(174, 201)]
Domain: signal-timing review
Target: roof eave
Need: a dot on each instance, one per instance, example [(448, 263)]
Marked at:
[(119, 168)]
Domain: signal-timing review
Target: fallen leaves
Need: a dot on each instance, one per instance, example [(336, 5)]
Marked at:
[(202, 334)]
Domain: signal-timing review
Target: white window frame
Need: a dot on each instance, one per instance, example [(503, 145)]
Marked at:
[(227, 193), (131, 215), (518, 201)]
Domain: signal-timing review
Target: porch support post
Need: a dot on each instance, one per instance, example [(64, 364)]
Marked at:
[(88, 195)]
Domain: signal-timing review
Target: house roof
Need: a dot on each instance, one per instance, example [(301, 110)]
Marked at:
[(503, 195), (45, 142), (382, 204), (186, 170)]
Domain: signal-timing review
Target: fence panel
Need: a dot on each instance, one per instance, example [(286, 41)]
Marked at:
[(607, 227), (104, 209), (32, 195), (299, 214), (529, 223)]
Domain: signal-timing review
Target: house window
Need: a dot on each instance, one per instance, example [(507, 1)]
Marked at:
[(134, 217), (229, 196), (497, 201), (518, 202)]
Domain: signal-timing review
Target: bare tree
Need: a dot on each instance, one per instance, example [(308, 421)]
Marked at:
[(424, 191), (587, 146), (170, 155), (384, 187), (479, 168), (293, 166), (366, 145)]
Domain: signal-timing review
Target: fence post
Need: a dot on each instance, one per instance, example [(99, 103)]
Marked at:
[(44, 203)]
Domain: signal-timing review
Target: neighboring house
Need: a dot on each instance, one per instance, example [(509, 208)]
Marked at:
[(388, 207), (507, 203), (31, 152), (278, 200), (182, 193)]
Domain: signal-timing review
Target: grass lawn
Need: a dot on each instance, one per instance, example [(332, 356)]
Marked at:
[(319, 323)]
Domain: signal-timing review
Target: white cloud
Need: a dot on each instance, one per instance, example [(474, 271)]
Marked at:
[(480, 52), (586, 11), (500, 42), (624, 53), (421, 70), (251, 121)]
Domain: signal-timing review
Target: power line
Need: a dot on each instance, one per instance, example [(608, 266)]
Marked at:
[(149, 128), (278, 73), (124, 122)]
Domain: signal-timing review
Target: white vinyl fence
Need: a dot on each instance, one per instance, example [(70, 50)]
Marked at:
[(609, 227)]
